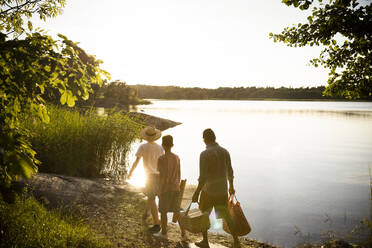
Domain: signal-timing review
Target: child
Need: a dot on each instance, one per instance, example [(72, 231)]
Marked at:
[(169, 186)]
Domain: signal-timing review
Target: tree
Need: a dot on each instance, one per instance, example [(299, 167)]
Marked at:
[(119, 94), (14, 12), (344, 28), (29, 66)]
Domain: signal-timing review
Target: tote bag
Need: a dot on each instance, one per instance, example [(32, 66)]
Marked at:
[(241, 224)]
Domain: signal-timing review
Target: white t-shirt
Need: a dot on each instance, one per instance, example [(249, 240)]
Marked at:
[(150, 152)]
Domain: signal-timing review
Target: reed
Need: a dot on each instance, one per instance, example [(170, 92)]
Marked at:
[(83, 143)]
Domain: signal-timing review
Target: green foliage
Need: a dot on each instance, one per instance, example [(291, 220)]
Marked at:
[(114, 94), (14, 12), (28, 67), (344, 29), (82, 144), (26, 223), (226, 93), (119, 93)]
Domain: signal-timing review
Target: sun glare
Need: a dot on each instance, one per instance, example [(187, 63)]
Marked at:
[(138, 178)]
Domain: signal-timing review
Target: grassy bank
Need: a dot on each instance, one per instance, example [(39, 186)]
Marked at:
[(82, 144), (26, 223)]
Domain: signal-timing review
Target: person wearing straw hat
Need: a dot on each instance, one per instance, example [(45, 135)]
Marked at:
[(150, 151)]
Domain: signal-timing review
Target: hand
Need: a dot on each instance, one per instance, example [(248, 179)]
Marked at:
[(195, 197), (130, 175), (231, 191)]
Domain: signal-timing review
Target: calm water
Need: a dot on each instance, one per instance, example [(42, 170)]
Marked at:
[(301, 168)]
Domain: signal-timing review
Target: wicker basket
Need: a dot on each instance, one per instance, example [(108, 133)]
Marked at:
[(194, 220)]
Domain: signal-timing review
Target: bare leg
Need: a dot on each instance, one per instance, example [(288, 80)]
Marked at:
[(205, 237), (164, 223), (154, 210), (231, 225)]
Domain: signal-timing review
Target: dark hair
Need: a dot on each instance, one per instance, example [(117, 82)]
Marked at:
[(209, 135), (167, 141)]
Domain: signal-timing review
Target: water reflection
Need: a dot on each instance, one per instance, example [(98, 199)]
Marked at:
[(358, 109)]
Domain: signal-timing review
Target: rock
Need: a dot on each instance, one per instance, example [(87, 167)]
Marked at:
[(55, 190), (149, 120)]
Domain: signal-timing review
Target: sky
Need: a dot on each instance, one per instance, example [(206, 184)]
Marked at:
[(190, 43)]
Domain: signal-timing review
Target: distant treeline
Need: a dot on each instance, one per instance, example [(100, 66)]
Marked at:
[(227, 93)]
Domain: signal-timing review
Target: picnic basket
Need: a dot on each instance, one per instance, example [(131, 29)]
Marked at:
[(241, 224), (194, 220)]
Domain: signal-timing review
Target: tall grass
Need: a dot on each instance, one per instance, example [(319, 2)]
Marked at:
[(83, 144), (26, 223)]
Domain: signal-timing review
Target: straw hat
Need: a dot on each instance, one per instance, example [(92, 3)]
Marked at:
[(150, 133)]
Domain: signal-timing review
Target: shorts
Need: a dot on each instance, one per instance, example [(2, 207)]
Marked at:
[(152, 186), (169, 202), (219, 203)]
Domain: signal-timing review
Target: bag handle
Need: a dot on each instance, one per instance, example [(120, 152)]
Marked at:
[(231, 198), (188, 208)]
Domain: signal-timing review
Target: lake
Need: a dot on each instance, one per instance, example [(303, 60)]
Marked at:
[(301, 168)]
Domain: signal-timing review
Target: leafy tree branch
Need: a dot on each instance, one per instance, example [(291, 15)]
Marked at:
[(344, 28), (14, 12)]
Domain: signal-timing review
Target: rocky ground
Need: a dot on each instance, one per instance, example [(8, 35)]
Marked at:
[(113, 210)]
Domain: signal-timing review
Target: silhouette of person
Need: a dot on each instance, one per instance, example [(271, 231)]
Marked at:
[(215, 171)]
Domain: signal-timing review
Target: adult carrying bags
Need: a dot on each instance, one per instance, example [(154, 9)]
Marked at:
[(242, 226)]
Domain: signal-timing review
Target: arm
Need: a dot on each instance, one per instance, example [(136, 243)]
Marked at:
[(178, 170), (195, 196), (231, 187), (202, 178), (134, 166), (230, 174), (162, 175)]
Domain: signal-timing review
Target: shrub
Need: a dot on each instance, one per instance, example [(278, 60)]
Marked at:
[(83, 144), (26, 223)]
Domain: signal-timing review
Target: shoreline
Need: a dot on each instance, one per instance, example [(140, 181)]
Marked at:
[(113, 210)]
